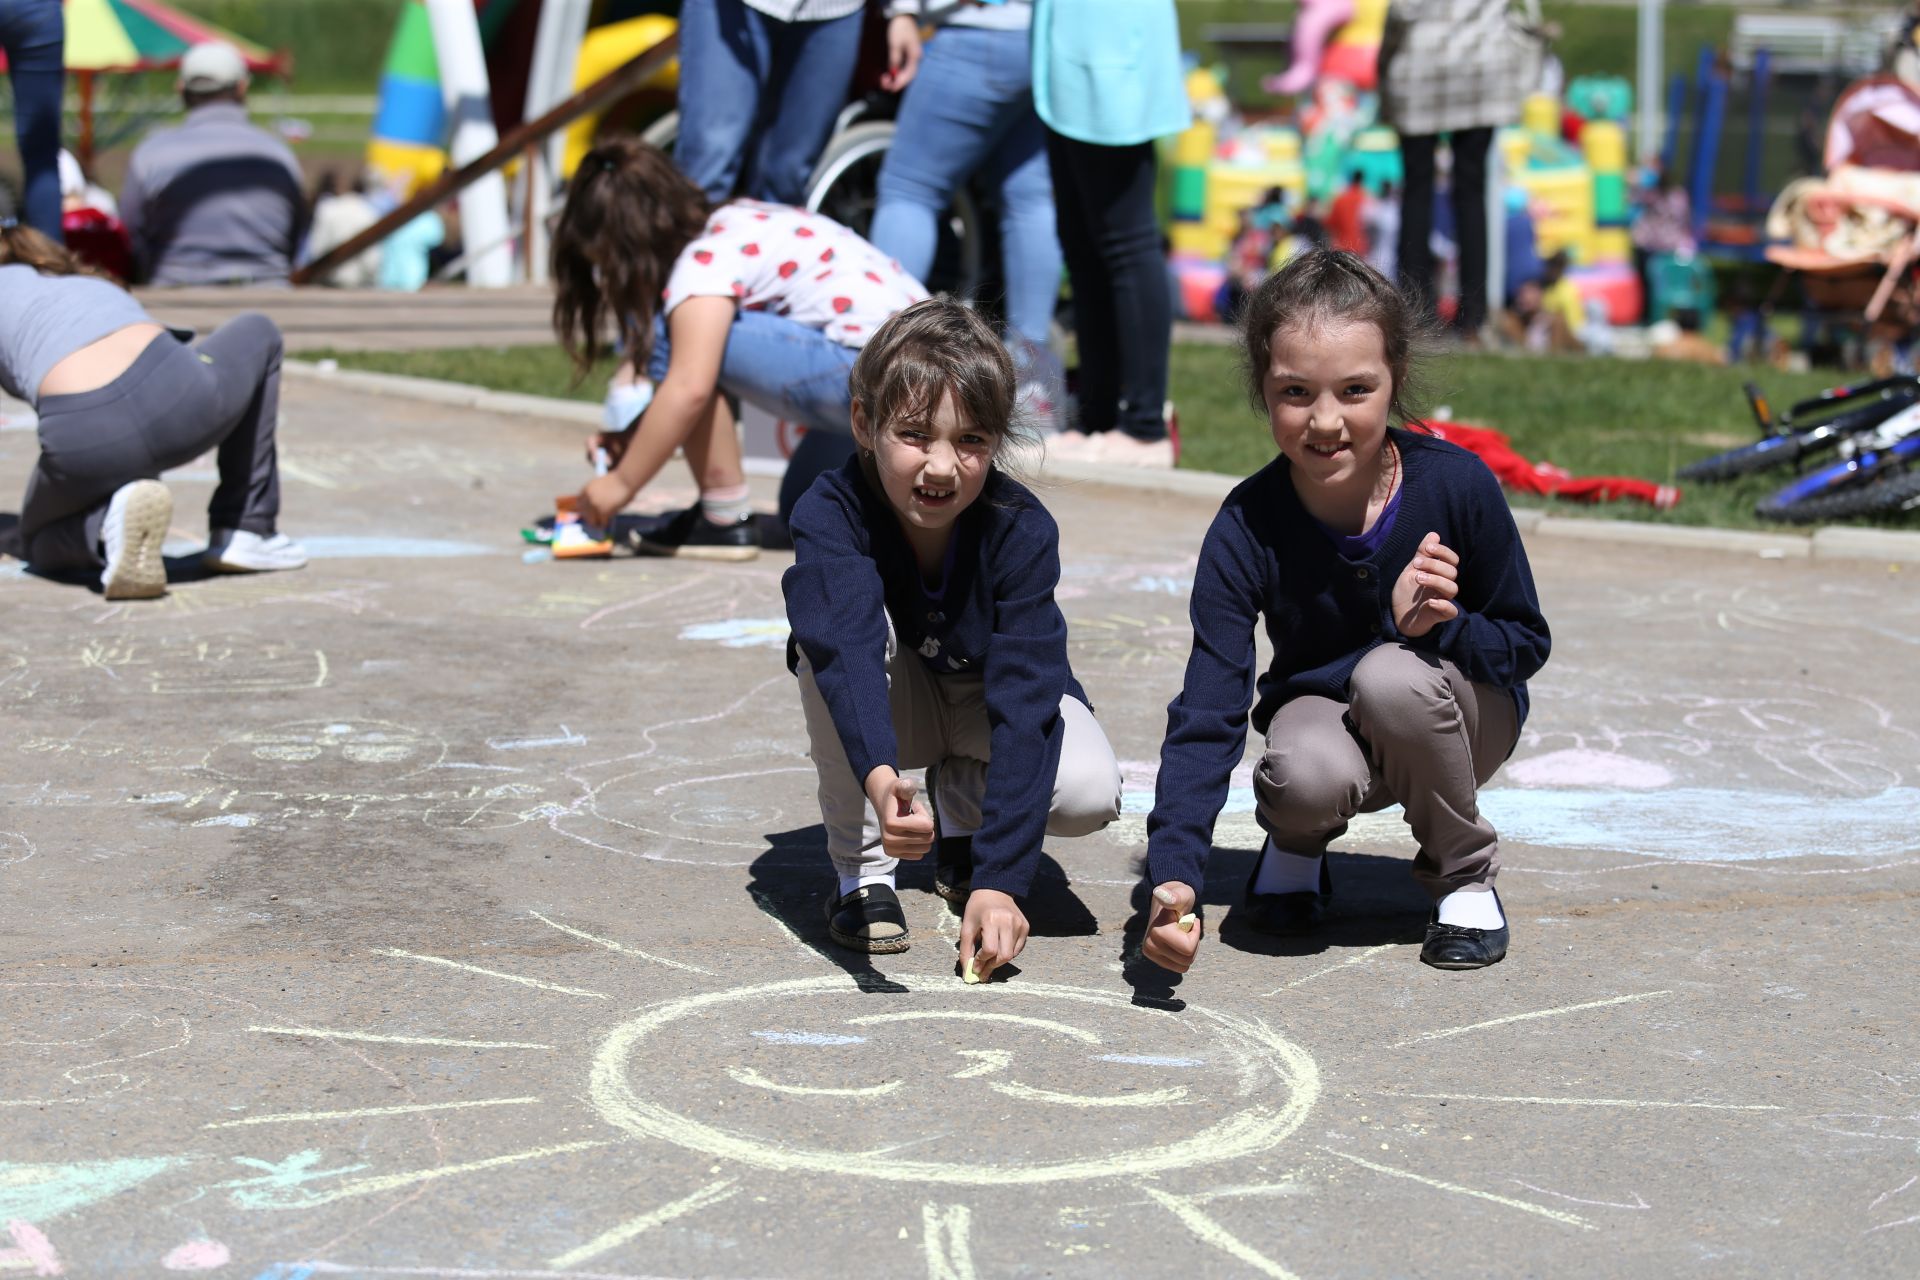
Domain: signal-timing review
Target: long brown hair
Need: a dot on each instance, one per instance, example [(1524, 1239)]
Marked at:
[(1333, 286), (628, 215), (22, 245)]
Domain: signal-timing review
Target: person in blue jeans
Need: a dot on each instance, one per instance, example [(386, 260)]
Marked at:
[(761, 82), (762, 302), (968, 110), (1106, 83), (33, 33)]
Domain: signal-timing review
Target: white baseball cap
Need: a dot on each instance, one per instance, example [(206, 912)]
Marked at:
[(216, 65)]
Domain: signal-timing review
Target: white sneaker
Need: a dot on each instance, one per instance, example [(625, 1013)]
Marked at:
[(1077, 445), (241, 551), (137, 518)]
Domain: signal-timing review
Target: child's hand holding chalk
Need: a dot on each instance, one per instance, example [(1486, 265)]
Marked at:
[(1174, 929), (906, 828)]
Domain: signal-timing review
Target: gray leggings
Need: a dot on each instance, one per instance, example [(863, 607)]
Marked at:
[(1413, 731), (171, 405)]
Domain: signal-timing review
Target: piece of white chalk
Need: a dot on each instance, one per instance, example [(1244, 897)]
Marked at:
[(968, 976), (1186, 922)]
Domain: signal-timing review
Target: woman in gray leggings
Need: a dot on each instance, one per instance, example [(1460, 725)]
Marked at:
[(120, 400)]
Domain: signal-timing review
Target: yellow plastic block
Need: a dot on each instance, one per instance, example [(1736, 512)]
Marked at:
[(1604, 143), (1540, 113), (1612, 244), (1197, 240)]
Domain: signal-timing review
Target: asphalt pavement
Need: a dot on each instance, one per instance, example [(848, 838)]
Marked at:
[(444, 910)]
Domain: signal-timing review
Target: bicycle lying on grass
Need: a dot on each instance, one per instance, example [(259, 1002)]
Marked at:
[(1873, 427)]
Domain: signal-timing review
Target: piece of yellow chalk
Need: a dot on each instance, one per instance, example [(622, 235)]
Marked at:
[(1186, 922), (969, 976)]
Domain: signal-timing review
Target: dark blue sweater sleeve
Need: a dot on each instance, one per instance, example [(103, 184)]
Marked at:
[(1025, 678), (1207, 722), (1499, 636), (837, 609)]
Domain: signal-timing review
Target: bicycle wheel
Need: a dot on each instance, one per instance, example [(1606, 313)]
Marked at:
[(1837, 499), (1774, 451)]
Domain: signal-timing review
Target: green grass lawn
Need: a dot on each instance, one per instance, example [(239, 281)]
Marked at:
[(1591, 416)]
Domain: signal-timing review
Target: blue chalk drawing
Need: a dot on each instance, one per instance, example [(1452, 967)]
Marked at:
[(806, 1037), (342, 547), (741, 633), (39, 1192), (1701, 824)]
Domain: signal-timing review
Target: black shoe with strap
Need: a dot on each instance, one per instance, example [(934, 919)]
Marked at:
[(1453, 946), (1287, 915), (869, 919), (689, 535)]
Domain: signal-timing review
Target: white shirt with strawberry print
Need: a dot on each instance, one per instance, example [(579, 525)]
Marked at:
[(808, 268)]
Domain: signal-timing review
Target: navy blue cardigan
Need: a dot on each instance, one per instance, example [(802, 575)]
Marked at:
[(1264, 555), (995, 617)]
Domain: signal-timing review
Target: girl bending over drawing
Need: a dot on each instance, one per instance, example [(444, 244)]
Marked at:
[(925, 633), (1403, 620), (759, 301)]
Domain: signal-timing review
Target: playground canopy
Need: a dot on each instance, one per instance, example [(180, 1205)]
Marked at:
[(120, 36)]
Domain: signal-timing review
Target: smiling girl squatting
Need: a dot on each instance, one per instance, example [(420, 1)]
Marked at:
[(925, 633), (1403, 619)]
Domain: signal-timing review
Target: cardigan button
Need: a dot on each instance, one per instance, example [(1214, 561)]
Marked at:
[(1362, 573)]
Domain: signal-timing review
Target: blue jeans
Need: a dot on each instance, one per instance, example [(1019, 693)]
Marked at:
[(792, 371), (33, 32), (758, 98), (970, 109)]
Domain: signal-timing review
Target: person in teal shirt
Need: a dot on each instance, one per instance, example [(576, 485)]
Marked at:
[(1107, 81)]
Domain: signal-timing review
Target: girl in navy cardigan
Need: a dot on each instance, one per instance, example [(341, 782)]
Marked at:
[(925, 633), (1403, 620)]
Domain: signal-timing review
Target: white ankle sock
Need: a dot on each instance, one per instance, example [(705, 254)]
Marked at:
[(849, 883), (726, 505), (1472, 909), (1283, 872)]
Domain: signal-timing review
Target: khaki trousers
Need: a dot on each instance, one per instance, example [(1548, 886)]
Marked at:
[(1413, 731), (943, 720)]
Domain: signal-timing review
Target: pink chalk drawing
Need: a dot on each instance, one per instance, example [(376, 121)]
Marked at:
[(31, 1248), (197, 1255), (1582, 767)]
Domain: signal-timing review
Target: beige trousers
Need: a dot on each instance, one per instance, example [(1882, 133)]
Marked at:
[(1414, 732), (943, 720)]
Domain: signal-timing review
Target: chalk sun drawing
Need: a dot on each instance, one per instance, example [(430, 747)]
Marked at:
[(741, 633)]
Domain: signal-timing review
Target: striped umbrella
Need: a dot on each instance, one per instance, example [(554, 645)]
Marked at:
[(140, 35)]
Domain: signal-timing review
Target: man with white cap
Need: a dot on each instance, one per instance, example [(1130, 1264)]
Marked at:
[(214, 199)]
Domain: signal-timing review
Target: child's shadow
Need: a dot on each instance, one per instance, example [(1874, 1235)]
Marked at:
[(180, 571), (790, 882), (1374, 902)]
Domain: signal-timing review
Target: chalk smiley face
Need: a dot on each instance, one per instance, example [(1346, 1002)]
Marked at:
[(1172, 1092)]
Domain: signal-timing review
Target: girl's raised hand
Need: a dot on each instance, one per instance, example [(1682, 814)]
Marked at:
[(992, 932), (1423, 595), (1168, 943), (906, 828)]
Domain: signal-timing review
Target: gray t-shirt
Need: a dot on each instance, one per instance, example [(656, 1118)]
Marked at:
[(45, 319), (213, 200)]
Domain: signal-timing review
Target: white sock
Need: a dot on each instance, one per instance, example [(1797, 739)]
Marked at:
[(1472, 909), (1283, 872), (726, 506), (849, 883)]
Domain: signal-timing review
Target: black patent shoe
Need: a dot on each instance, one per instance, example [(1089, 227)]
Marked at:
[(953, 855), (1286, 915), (869, 919), (1452, 946), (689, 535)]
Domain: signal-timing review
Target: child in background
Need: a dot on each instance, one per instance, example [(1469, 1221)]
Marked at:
[(761, 301), (1402, 617), (925, 633), (120, 400)]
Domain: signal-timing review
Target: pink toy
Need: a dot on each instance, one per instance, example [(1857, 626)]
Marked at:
[(1316, 21)]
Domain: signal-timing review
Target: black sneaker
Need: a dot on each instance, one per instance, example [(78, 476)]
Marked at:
[(691, 536), (952, 855), (868, 919)]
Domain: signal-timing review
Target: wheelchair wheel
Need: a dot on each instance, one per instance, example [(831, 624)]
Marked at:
[(846, 187)]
